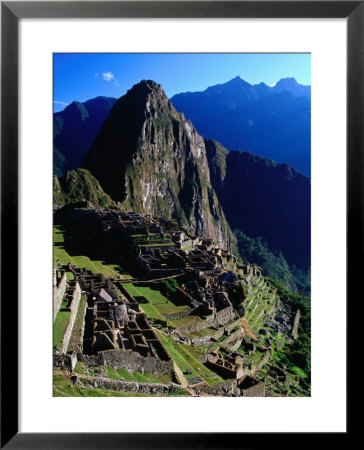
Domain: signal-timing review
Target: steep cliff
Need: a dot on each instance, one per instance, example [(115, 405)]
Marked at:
[(149, 158), (264, 199)]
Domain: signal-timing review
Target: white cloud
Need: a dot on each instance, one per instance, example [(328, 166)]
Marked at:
[(108, 76), (60, 103)]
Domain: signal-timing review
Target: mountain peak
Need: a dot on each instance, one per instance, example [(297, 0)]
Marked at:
[(149, 158), (290, 84), (147, 86), (287, 82)]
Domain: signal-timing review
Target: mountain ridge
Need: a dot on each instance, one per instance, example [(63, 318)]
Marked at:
[(149, 158), (273, 122), (74, 130)]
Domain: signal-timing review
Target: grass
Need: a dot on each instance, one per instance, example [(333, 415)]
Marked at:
[(202, 333), (60, 325), (157, 305), (61, 255), (182, 356), (151, 312), (63, 387), (298, 371), (185, 321)]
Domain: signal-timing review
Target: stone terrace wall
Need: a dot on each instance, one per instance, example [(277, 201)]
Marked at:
[(232, 325), (128, 296), (222, 389), (178, 315), (255, 391), (128, 386), (76, 342), (62, 361), (71, 322), (133, 361), (58, 293), (91, 360), (262, 362), (232, 337)]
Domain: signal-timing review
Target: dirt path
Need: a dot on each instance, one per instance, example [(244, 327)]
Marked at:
[(247, 329), (181, 377)]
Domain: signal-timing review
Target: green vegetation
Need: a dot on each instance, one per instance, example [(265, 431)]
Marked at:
[(80, 185), (169, 287), (62, 256), (157, 304), (185, 321), (298, 352), (63, 387), (185, 360), (60, 325), (274, 265)]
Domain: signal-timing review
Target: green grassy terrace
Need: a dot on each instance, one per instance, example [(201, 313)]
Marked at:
[(62, 256), (184, 359), (63, 387), (153, 302), (60, 325)]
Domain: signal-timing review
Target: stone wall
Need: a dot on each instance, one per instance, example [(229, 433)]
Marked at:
[(236, 345), (262, 362), (128, 386), (196, 341), (185, 244), (223, 371), (76, 342), (129, 360), (256, 389), (135, 362), (63, 361), (58, 292), (232, 337), (91, 360), (225, 315), (223, 389), (232, 325), (128, 296), (176, 316), (296, 324), (71, 321)]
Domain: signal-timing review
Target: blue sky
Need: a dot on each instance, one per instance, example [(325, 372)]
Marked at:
[(80, 76)]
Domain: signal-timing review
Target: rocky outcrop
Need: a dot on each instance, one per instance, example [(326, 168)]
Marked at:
[(151, 159)]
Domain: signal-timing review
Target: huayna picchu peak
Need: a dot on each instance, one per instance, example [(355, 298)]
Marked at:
[(149, 158)]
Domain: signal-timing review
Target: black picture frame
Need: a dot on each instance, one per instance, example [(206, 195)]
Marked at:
[(11, 12)]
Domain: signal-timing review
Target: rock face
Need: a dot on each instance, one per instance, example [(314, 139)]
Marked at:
[(263, 198), (149, 158), (74, 130)]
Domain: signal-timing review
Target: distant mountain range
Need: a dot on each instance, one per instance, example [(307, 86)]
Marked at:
[(75, 129), (273, 122), (147, 157)]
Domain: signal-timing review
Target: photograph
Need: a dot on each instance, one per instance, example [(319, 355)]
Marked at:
[(181, 225)]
